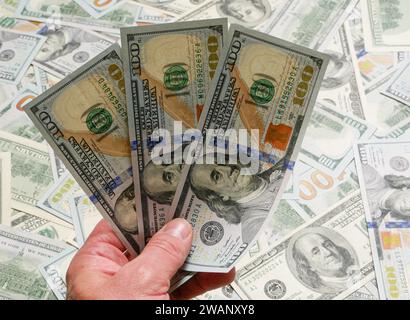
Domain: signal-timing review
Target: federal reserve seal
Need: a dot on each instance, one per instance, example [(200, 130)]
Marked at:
[(211, 233), (399, 163), (81, 57), (275, 289), (7, 55)]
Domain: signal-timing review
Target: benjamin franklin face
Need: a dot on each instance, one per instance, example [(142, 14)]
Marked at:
[(159, 179), (125, 211), (55, 42), (321, 253), (225, 180), (339, 71), (250, 12), (399, 202)]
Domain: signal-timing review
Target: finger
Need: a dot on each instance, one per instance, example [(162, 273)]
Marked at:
[(201, 283), (164, 254)]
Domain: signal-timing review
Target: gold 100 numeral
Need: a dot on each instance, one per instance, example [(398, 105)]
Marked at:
[(303, 86)]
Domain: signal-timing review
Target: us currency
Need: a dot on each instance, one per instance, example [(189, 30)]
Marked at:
[(391, 117), (142, 14), (340, 87), (85, 217), (31, 173), (69, 13), (42, 224), (224, 293), (309, 23), (384, 176), (176, 63), (84, 119), (47, 80), (319, 190), (327, 258), (17, 51), (329, 138), (368, 291), (398, 87), (8, 7), (385, 24), (67, 48), (174, 7), (368, 65), (57, 199), (14, 120), (257, 87), (5, 190), (54, 272), (97, 8), (21, 254)]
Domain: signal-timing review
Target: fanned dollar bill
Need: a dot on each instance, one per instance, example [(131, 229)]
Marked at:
[(384, 176), (168, 71), (21, 254), (328, 258), (84, 119), (329, 139), (67, 48), (16, 53), (5, 188), (398, 87), (258, 86), (54, 272), (386, 25)]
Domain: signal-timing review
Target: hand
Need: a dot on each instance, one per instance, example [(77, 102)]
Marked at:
[(100, 270)]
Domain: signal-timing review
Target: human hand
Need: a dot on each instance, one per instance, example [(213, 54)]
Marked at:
[(101, 271)]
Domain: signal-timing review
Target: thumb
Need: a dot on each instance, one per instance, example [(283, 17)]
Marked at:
[(164, 254)]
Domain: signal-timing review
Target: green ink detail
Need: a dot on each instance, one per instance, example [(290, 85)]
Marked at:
[(175, 78), (262, 91), (99, 120)]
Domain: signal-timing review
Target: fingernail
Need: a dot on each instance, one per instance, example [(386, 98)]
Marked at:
[(179, 228)]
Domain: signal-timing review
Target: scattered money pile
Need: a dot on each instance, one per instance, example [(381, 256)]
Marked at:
[(333, 221)]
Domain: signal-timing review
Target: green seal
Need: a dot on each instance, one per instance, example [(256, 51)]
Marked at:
[(175, 78), (99, 120), (262, 91)]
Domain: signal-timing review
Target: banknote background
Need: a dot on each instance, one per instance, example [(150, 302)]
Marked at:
[(340, 228)]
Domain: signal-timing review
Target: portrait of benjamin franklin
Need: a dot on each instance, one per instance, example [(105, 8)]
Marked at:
[(237, 198), (387, 195), (249, 13), (125, 213), (62, 41), (339, 71), (322, 260)]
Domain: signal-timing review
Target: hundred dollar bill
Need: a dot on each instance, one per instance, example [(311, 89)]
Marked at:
[(8, 7), (54, 272), (328, 258), (68, 12), (5, 189), (398, 87), (391, 117), (42, 224), (258, 87), (174, 7), (384, 176), (386, 25), (47, 80), (17, 51), (57, 199), (84, 119), (168, 71), (85, 217), (96, 8), (339, 88), (368, 291), (224, 293), (319, 190), (14, 120), (31, 173), (21, 254), (368, 65), (329, 139), (68, 48)]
